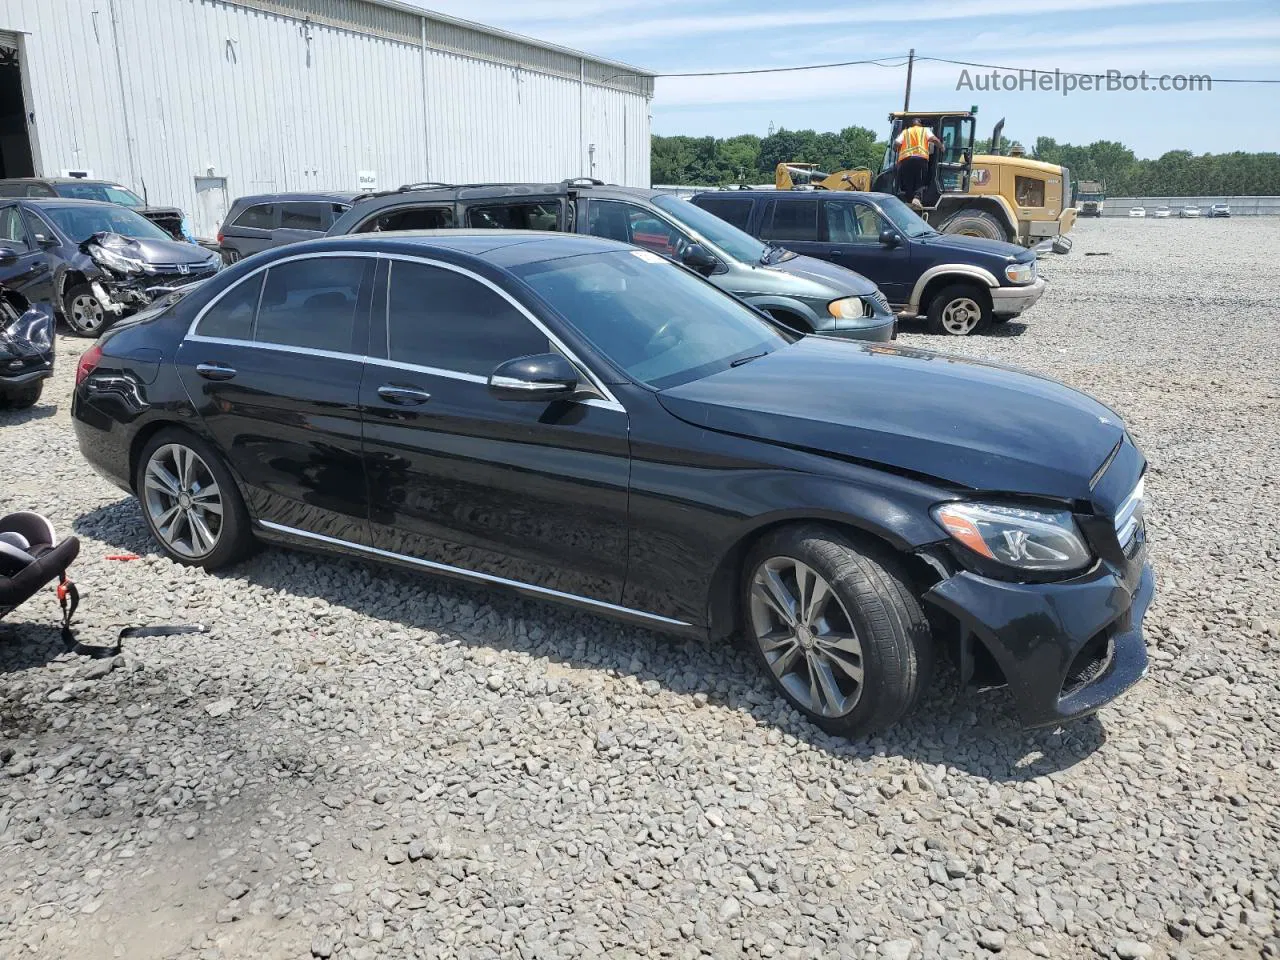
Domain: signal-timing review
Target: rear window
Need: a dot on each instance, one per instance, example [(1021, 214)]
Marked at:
[(311, 303), (736, 211), (541, 215), (260, 216), (793, 220), (301, 215), (231, 318)]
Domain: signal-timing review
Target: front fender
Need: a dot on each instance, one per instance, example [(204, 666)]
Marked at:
[(770, 302)]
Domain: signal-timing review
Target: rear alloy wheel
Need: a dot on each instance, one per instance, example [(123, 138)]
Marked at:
[(190, 501), (84, 313), (959, 310), (841, 635)]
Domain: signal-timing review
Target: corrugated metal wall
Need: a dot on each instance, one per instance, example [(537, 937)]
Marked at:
[(255, 93)]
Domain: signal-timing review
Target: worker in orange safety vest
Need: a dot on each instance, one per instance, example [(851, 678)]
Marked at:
[(914, 144)]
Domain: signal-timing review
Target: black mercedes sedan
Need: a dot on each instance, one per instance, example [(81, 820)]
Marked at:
[(587, 422)]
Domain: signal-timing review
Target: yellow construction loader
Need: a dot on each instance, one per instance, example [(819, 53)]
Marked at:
[(989, 195)]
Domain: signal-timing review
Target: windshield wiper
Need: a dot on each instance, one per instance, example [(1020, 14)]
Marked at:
[(747, 359), (769, 250)]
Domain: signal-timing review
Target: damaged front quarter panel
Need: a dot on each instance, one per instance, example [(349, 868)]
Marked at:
[(125, 278)]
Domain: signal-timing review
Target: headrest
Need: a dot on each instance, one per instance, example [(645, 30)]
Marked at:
[(35, 529), (13, 559)]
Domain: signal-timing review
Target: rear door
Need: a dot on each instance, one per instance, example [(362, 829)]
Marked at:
[(273, 366), (524, 213), (793, 223), (532, 492), (24, 265), (851, 234)]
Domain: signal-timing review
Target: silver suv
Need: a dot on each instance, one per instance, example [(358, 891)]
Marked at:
[(808, 295)]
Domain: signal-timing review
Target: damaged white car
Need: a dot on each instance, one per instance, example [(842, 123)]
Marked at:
[(106, 261)]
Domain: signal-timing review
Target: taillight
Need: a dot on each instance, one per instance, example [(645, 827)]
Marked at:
[(88, 361), (219, 238)]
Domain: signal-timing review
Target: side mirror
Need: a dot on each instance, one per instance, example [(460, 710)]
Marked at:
[(8, 255), (546, 376), (889, 238), (45, 241), (697, 257)]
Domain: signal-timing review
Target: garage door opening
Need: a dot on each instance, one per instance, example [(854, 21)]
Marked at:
[(16, 158)]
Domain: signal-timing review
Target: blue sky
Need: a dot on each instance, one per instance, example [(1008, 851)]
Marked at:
[(1221, 38)]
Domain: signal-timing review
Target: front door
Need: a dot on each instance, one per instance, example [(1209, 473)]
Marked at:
[(274, 370), (852, 229), (533, 492), (24, 266)]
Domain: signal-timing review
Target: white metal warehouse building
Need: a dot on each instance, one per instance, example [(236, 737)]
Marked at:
[(197, 102)]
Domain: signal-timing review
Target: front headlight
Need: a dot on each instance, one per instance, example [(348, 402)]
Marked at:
[(846, 308), (1036, 541), (117, 261), (1021, 272)]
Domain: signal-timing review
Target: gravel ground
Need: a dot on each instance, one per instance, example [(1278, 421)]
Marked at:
[(360, 763)]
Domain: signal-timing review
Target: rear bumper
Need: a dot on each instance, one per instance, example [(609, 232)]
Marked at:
[(1066, 649), (1011, 301)]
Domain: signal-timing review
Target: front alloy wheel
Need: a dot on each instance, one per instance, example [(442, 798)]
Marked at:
[(183, 501), (959, 310), (806, 637)]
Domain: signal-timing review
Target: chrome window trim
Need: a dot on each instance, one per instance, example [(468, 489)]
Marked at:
[(473, 574), (606, 401)]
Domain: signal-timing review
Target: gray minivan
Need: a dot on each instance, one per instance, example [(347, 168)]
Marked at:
[(273, 219), (803, 293)]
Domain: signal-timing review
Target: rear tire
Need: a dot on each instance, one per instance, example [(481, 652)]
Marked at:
[(84, 314), (837, 629), (976, 223), (190, 501), (959, 310), (21, 398)]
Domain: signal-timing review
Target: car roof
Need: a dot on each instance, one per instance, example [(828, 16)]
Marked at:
[(505, 248), (59, 180), (768, 192), (67, 202), (345, 196)]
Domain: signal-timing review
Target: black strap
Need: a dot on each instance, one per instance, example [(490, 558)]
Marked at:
[(69, 598)]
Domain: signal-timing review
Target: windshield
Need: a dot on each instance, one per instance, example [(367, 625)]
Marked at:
[(657, 321), (903, 217), (739, 245), (81, 223), (108, 192)]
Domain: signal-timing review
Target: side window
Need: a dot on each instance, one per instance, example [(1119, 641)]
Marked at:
[(736, 211), (39, 190), (232, 317), (539, 215), (260, 216), (12, 189), (302, 216), (444, 319), (1029, 191), (628, 223), (793, 220), (415, 218), (852, 222), (13, 232), (311, 303)]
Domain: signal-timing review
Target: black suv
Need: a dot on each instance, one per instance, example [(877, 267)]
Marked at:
[(961, 284), (268, 220), (805, 294), (169, 219)]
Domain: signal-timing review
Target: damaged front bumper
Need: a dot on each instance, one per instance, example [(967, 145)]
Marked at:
[(1065, 648), (129, 275)]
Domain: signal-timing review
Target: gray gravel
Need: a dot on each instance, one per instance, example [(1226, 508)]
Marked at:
[(359, 763)]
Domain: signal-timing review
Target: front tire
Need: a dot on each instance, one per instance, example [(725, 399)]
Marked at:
[(959, 310), (23, 397), (84, 314), (190, 501), (836, 628)]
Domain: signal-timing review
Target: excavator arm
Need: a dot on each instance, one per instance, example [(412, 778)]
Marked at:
[(787, 176)]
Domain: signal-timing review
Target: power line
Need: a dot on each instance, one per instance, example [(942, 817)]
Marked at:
[(879, 62)]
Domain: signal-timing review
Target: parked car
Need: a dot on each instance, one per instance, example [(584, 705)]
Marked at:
[(807, 295), (1189, 211), (169, 219), (1163, 213), (271, 219), (1137, 211), (582, 421), (92, 261), (1220, 210), (26, 349), (961, 284)]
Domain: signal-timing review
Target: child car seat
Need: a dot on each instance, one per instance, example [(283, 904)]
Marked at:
[(30, 557)]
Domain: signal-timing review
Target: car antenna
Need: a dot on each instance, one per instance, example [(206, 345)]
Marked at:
[(146, 202)]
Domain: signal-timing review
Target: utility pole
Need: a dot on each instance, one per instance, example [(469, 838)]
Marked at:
[(911, 59)]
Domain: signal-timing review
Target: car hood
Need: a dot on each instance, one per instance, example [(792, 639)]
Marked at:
[(151, 250), (980, 245), (841, 279), (965, 422)]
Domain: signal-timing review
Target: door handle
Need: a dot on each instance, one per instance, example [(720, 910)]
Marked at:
[(215, 371), (403, 396)]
